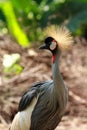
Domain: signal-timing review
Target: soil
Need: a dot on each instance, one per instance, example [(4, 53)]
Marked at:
[(37, 67)]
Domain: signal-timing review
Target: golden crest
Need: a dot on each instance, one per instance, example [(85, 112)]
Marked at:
[(62, 35)]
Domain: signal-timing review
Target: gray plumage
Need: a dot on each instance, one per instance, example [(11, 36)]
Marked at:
[(51, 101), (43, 105)]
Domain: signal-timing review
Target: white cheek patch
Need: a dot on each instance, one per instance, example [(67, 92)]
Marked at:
[(53, 46)]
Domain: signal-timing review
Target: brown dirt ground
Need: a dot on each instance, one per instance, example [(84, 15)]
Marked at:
[(37, 67)]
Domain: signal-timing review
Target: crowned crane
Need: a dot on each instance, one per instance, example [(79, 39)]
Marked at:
[(43, 105)]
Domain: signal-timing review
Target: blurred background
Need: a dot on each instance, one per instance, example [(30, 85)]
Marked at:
[(21, 63)]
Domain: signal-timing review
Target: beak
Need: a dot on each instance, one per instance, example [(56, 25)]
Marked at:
[(43, 46)]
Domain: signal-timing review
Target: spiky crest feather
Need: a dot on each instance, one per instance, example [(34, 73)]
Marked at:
[(62, 35)]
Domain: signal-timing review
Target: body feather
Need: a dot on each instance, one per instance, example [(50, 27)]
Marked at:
[(42, 109), (22, 120)]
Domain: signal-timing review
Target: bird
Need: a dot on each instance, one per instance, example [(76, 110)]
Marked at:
[(43, 105)]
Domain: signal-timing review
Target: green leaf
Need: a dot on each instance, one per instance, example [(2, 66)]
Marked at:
[(15, 69), (13, 25), (75, 23)]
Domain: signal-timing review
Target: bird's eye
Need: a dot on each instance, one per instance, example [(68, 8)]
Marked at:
[(52, 45)]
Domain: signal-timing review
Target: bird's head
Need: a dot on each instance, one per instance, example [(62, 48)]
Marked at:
[(57, 39), (50, 44)]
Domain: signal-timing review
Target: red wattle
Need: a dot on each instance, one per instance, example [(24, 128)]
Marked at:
[(53, 58)]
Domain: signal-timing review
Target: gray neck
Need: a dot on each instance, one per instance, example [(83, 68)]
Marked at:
[(59, 87)]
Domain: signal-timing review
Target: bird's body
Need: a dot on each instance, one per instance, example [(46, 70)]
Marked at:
[(43, 105)]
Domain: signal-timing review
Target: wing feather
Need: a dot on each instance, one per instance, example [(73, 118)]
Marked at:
[(29, 95)]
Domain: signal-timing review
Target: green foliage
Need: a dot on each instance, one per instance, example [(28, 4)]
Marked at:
[(13, 25), (11, 64), (76, 23), (78, 17), (15, 69), (32, 16)]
